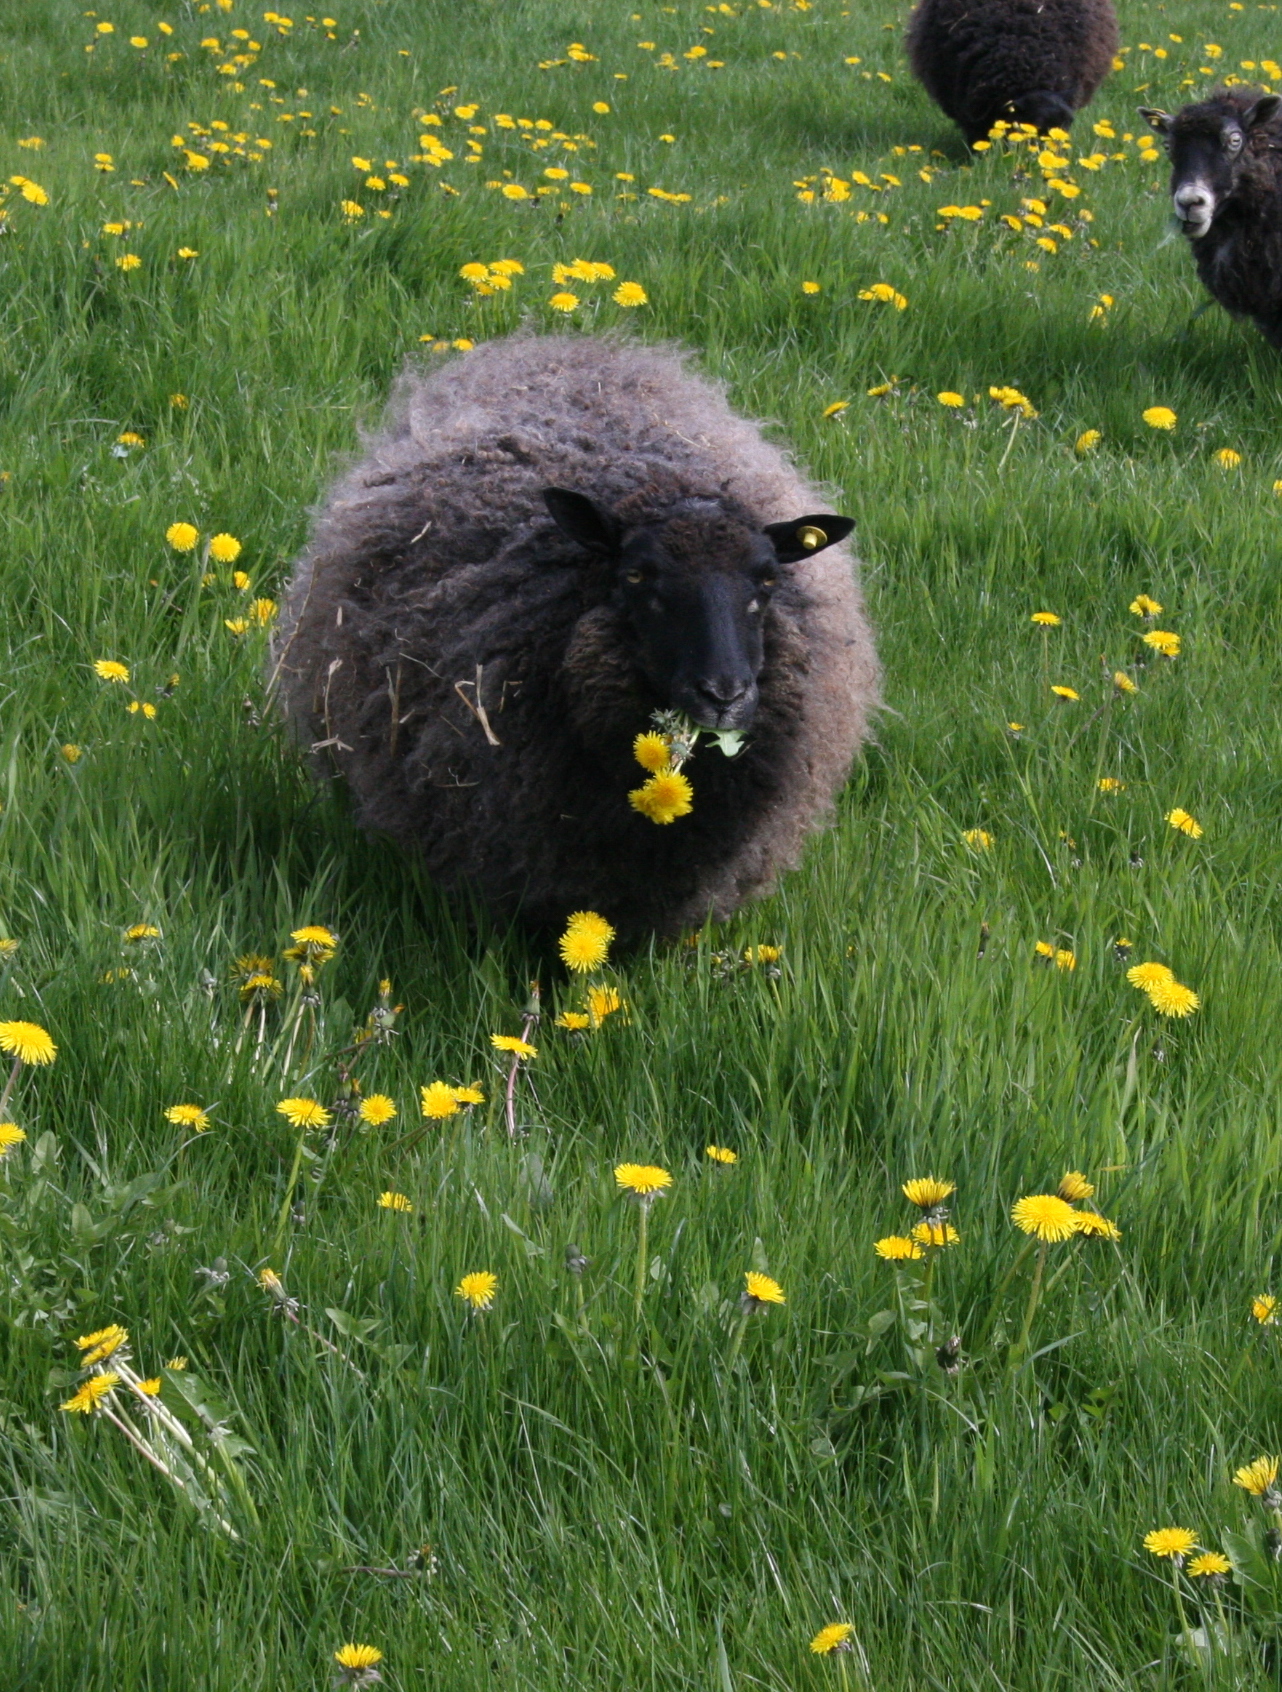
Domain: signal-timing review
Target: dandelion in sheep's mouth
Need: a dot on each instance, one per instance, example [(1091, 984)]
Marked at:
[(665, 797)]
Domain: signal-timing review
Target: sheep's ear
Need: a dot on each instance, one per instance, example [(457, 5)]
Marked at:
[(805, 536), (1263, 109), (1155, 119), (583, 519)]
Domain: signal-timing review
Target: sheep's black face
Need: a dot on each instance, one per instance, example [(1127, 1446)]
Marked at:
[(695, 588), (1208, 146)]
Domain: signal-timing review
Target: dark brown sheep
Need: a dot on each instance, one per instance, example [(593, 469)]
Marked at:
[(1226, 187), (1021, 61), (554, 538)]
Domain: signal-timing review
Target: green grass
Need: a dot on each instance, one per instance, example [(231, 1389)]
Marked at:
[(610, 1502)]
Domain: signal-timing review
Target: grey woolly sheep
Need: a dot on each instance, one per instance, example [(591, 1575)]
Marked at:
[(553, 538), (1021, 61), (1226, 185)]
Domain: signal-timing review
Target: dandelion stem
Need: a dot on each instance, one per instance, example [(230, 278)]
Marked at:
[(642, 1234), (282, 1224), (736, 1343), (1034, 1296), (510, 1100), (8, 1089), (1014, 430)]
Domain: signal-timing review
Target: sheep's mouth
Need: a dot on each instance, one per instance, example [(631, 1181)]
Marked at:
[(707, 714), (1195, 228)]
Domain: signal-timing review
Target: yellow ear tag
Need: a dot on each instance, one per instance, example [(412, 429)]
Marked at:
[(810, 537)]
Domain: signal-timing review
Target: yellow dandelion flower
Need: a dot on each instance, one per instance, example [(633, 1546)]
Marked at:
[(1185, 823), (938, 1234), (760, 1289), (762, 954), (225, 548), (644, 1180), (566, 302), (603, 1002), (92, 1392), (1210, 1563), (1094, 1226), (978, 838), (1227, 459), (1046, 1216), (630, 294), (27, 1042), (1170, 1542), (1264, 1308), (1086, 442), (722, 1154), (102, 1344), (511, 1043), (314, 935), (1110, 784), (1066, 693), (148, 1389), (1064, 959), (1146, 976), (810, 287), (1258, 1477), (1074, 1186), (10, 1136), (182, 536), (358, 1657), (1123, 683), (478, 1289), (468, 1095), (188, 1116), (1047, 619), (108, 670), (394, 1201), (652, 752), (304, 1113), (585, 945), (1144, 606), (573, 1020), (896, 1249), (438, 1101), (140, 931), (952, 400), (665, 797), (1163, 641), (1172, 998), (71, 752), (1160, 417), (927, 1191), (837, 1636), (376, 1110)]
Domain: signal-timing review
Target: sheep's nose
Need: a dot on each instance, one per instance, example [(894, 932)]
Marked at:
[(723, 691), (1192, 203)]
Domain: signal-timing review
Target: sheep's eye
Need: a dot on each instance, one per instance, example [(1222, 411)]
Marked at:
[(634, 576), (767, 581)]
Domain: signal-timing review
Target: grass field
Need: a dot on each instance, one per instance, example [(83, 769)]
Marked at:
[(585, 1486)]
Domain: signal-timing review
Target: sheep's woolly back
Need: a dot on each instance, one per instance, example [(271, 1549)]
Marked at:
[(974, 57), (460, 660)]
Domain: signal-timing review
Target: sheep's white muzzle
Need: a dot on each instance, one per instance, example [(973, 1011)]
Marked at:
[(1195, 207)]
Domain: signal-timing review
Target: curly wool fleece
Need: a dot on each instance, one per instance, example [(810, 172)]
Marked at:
[(462, 662)]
